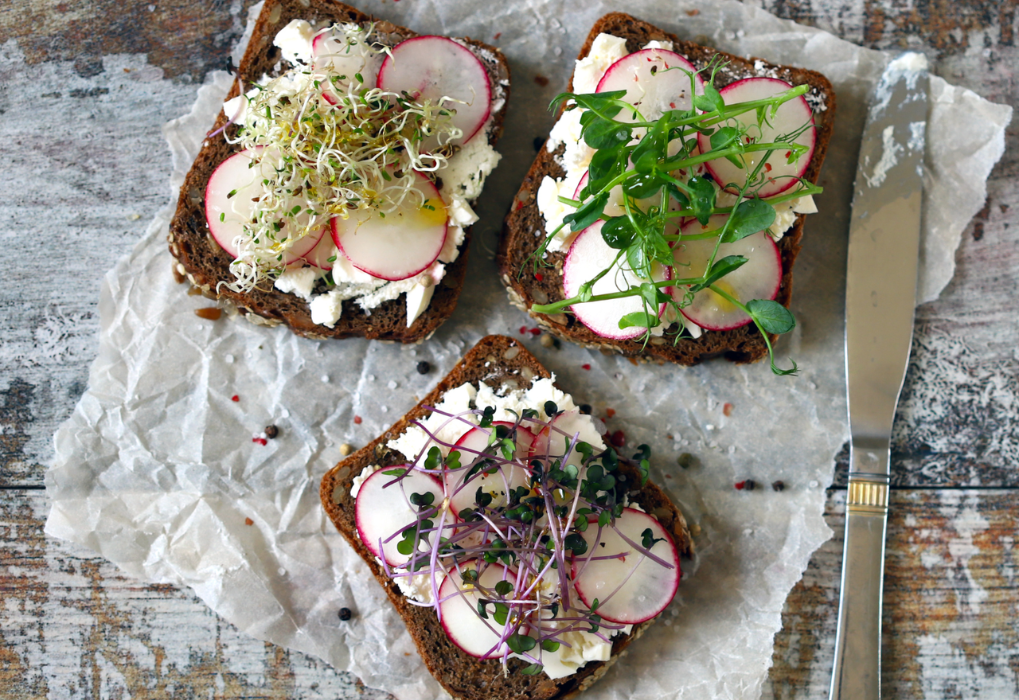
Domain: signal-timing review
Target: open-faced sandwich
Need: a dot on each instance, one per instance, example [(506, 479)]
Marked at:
[(523, 553), (335, 194), (663, 217)]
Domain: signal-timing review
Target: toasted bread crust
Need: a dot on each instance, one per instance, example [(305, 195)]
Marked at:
[(519, 242), (496, 361), (200, 261)]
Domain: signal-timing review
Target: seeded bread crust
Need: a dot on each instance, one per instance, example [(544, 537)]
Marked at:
[(497, 361), (519, 242), (200, 261)]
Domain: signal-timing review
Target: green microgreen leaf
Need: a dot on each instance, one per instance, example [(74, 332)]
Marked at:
[(771, 316), (751, 216)]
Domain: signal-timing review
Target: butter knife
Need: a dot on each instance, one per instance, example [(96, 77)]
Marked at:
[(884, 236)]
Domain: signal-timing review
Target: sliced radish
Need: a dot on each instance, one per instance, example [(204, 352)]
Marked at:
[(631, 588), (498, 484), (330, 52), (433, 67), (759, 278), (383, 509), (458, 610), (231, 199), (588, 256), (655, 80), (400, 244), (571, 423), (779, 174), (320, 255)]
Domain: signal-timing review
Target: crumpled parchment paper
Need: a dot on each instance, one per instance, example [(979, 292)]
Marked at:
[(156, 469)]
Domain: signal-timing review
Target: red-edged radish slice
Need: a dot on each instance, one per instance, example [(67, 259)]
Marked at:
[(400, 244), (588, 256), (383, 508), (631, 588), (571, 422), (229, 203), (507, 478), (433, 67), (655, 80), (459, 611), (779, 174), (320, 255), (330, 52), (759, 278)]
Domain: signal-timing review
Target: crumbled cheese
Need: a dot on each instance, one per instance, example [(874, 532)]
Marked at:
[(460, 212), (294, 41), (451, 246), (466, 170), (326, 309), (417, 301), (654, 44), (298, 280), (567, 130), (355, 486), (605, 50)]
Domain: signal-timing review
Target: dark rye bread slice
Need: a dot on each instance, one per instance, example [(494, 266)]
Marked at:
[(497, 361), (519, 241), (200, 260)]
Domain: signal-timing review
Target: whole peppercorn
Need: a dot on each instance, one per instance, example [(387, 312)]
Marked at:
[(750, 485), (423, 367), (345, 614), (778, 485), (585, 408), (271, 431)]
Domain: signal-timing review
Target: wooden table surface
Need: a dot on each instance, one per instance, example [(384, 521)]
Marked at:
[(72, 626)]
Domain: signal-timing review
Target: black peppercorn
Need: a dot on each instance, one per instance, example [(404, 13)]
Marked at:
[(423, 367), (750, 485), (345, 614), (271, 431), (778, 485), (585, 408)]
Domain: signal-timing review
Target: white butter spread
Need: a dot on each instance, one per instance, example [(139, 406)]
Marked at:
[(463, 178)]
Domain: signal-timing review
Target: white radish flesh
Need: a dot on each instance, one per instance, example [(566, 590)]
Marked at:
[(331, 53), (436, 67), (458, 610), (655, 80), (564, 427), (383, 508), (498, 484), (758, 278), (630, 588), (399, 244), (588, 256), (323, 255), (779, 174), (231, 200)]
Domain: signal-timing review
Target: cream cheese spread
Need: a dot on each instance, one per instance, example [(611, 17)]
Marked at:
[(463, 178)]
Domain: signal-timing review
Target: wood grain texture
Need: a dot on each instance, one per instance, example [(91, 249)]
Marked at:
[(113, 72)]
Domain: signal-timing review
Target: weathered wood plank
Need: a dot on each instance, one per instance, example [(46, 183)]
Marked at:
[(950, 601), (72, 625)]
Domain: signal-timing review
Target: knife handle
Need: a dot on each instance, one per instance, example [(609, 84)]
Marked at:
[(857, 672)]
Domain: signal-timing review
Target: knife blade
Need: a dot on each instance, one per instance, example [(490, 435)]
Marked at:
[(884, 238)]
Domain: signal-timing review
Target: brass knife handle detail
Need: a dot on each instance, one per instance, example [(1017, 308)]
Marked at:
[(867, 496)]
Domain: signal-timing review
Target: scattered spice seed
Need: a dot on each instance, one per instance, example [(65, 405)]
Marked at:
[(547, 341), (693, 13), (260, 440), (535, 332), (249, 522), (727, 410), (685, 461), (585, 408), (271, 431), (523, 330), (496, 37), (357, 420), (539, 276), (740, 485), (235, 398), (585, 366), (778, 485), (345, 614), (610, 412), (209, 313), (345, 449), (618, 438), (541, 80), (750, 484), (423, 367)]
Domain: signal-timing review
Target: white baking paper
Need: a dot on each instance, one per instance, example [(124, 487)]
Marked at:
[(156, 470)]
